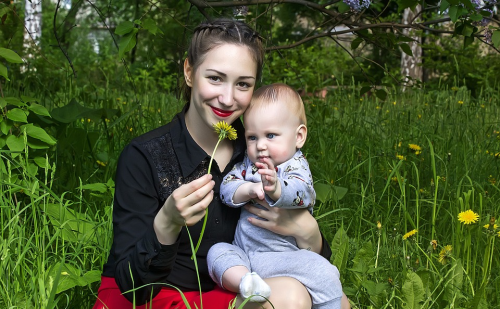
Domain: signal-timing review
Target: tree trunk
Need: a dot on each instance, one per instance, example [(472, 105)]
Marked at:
[(32, 22), (410, 65)]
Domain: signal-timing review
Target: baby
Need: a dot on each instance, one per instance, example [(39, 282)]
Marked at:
[(274, 170)]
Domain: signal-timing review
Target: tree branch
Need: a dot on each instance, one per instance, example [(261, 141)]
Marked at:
[(58, 41)]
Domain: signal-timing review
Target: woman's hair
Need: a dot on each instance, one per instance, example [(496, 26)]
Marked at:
[(279, 93), (216, 32)]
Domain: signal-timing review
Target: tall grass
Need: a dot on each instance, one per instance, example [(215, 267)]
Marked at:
[(56, 222)]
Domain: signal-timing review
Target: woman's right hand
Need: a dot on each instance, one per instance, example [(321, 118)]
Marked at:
[(185, 206)]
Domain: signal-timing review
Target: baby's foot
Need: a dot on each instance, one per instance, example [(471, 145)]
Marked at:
[(252, 285)]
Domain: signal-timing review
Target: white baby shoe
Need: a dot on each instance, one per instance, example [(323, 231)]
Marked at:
[(253, 286)]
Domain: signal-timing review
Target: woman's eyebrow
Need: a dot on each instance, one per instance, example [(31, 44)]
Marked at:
[(224, 74)]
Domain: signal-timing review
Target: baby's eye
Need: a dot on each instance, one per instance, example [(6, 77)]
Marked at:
[(251, 138), (270, 135)]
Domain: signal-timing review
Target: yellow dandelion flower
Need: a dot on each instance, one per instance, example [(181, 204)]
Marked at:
[(336, 108), (400, 157), (468, 217), (445, 254), (394, 103), (409, 234), (434, 244), (454, 88), (377, 107), (415, 147), (131, 129), (379, 225), (498, 233), (419, 116), (225, 130), (88, 120), (399, 144), (482, 105), (487, 226), (460, 102), (361, 99)]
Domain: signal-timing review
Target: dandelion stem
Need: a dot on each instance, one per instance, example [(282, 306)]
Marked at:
[(206, 210)]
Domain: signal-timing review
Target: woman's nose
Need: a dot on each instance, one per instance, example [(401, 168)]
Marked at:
[(227, 96)]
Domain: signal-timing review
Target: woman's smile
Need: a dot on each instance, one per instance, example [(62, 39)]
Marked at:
[(221, 113)]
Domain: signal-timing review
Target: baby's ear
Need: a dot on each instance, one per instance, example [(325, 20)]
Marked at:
[(301, 135)]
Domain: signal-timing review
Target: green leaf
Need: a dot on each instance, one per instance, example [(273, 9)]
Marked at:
[(468, 4), (454, 2), (39, 109), (10, 55), (42, 162), (467, 30), (343, 7), (356, 42), (150, 25), (413, 291), (453, 12), (406, 49), (403, 4), (364, 90), (127, 42), (17, 114), (3, 102), (468, 40), (4, 127), (70, 112), (75, 226), (340, 249), (381, 94), (99, 187), (29, 99), (3, 72), (38, 133), (476, 17), (124, 28), (14, 101), (15, 144), (495, 38), (326, 192), (444, 5)]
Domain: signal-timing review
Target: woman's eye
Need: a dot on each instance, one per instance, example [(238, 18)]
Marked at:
[(271, 135), (244, 85), (214, 78)]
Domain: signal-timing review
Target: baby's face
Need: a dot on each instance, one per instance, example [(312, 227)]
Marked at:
[(271, 132)]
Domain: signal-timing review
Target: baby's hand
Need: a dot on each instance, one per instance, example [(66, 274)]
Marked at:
[(269, 177), (255, 191)]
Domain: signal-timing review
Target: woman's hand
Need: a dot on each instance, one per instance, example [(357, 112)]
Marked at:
[(185, 206), (298, 223)]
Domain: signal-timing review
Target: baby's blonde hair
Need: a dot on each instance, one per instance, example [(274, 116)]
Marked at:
[(279, 92)]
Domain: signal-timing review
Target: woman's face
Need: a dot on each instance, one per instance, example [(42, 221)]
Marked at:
[(222, 86)]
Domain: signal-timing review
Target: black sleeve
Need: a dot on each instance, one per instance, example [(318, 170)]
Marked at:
[(326, 251), (140, 259)]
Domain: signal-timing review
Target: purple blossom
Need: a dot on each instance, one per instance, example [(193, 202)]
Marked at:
[(358, 5), (487, 35)]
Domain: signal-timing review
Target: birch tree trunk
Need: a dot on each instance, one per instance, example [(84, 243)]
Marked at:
[(33, 23), (410, 65)]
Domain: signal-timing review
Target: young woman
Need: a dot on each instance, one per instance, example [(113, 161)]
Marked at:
[(162, 186)]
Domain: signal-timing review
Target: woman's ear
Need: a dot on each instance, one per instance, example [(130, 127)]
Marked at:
[(188, 73), (301, 135)]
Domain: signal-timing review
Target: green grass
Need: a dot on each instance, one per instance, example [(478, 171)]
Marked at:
[(56, 221)]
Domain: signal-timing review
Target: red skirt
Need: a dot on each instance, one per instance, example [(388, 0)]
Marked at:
[(110, 297)]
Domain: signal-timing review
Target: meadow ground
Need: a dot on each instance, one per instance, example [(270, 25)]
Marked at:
[(408, 195)]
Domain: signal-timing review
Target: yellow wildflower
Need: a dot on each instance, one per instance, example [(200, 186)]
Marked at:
[(377, 107), (103, 164), (379, 225), (419, 116), (394, 103), (88, 120), (409, 234), (454, 88), (225, 130), (434, 244), (445, 254), (415, 147), (487, 226), (468, 217), (400, 157)]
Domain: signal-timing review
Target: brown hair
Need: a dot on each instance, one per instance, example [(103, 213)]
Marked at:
[(269, 94), (213, 33)]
